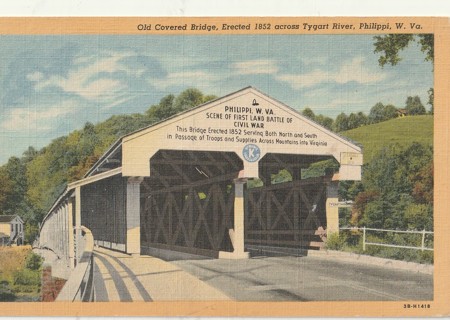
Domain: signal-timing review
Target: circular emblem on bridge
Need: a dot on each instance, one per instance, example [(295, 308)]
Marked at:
[(251, 152)]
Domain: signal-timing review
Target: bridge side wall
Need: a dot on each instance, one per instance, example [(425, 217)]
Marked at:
[(103, 211)]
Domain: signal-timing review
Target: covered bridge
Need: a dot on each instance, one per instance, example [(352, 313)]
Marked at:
[(181, 184)]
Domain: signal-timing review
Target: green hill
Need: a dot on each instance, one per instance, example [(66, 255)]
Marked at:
[(400, 130)]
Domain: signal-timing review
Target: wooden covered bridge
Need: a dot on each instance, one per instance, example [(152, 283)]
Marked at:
[(180, 184)]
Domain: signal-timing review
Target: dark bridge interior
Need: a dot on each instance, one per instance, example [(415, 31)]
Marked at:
[(187, 203)]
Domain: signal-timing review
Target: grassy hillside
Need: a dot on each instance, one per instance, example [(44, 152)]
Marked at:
[(400, 130)]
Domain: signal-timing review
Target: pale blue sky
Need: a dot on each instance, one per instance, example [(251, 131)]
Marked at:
[(52, 85)]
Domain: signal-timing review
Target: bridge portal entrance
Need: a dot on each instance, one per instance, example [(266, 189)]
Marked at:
[(187, 204), (291, 213)]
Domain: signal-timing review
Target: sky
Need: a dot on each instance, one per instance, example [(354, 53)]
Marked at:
[(52, 85)]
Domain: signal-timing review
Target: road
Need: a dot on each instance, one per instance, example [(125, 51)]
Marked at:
[(290, 278), (120, 277)]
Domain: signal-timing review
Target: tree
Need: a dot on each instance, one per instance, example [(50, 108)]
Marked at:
[(390, 112), (392, 183), (414, 106), (190, 98), (81, 145), (16, 170), (307, 112), (423, 184), (376, 213), (163, 110), (348, 190), (419, 216), (362, 199), (431, 99), (341, 122), (376, 113), (14, 186), (171, 105), (352, 121), (379, 112), (209, 97), (6, 191), (356, 120), (363, 119), (29, 154), (47, 175), (327, 122), (391, 44)]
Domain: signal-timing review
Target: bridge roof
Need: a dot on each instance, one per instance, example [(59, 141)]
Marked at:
[(246, 117)]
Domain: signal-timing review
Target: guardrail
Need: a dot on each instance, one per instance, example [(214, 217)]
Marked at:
[(79, 286), (422, 247), (55, 232)]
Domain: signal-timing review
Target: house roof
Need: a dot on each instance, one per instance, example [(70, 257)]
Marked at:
[(8, 218)]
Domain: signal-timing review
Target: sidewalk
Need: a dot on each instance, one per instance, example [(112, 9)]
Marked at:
[(370, 260), (120, 277)]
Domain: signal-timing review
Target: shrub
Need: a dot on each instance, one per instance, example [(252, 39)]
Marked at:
[(336, 241), (419, 216), (33, 261), (425, 257), (27, 277), (31, 232), (351, 241), (6, 293)]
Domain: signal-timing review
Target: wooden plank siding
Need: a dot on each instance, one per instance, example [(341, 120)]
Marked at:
[(103, 210), (286, 214), (195, 217)]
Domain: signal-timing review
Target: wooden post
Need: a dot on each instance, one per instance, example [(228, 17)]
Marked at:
[(70, 233), (239, 216), (364, 238), (237, 234), (332, 210), (58, 231), (423, 239), (78, 223), (133, 214)]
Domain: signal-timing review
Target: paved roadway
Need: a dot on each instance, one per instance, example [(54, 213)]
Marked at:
[(120, 277), (309, 279)]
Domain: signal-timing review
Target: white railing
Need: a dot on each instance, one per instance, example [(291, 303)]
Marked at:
[(80, 285), (54, 233), (422, 247)]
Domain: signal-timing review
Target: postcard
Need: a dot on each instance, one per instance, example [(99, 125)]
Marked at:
[(224, 166)]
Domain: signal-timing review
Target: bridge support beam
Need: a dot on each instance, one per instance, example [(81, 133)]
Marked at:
[(237, 234), (133, 213), (78, 223), (332, 210), (70, 233)]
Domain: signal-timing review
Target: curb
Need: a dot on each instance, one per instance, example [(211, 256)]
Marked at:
[(370, 260)]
